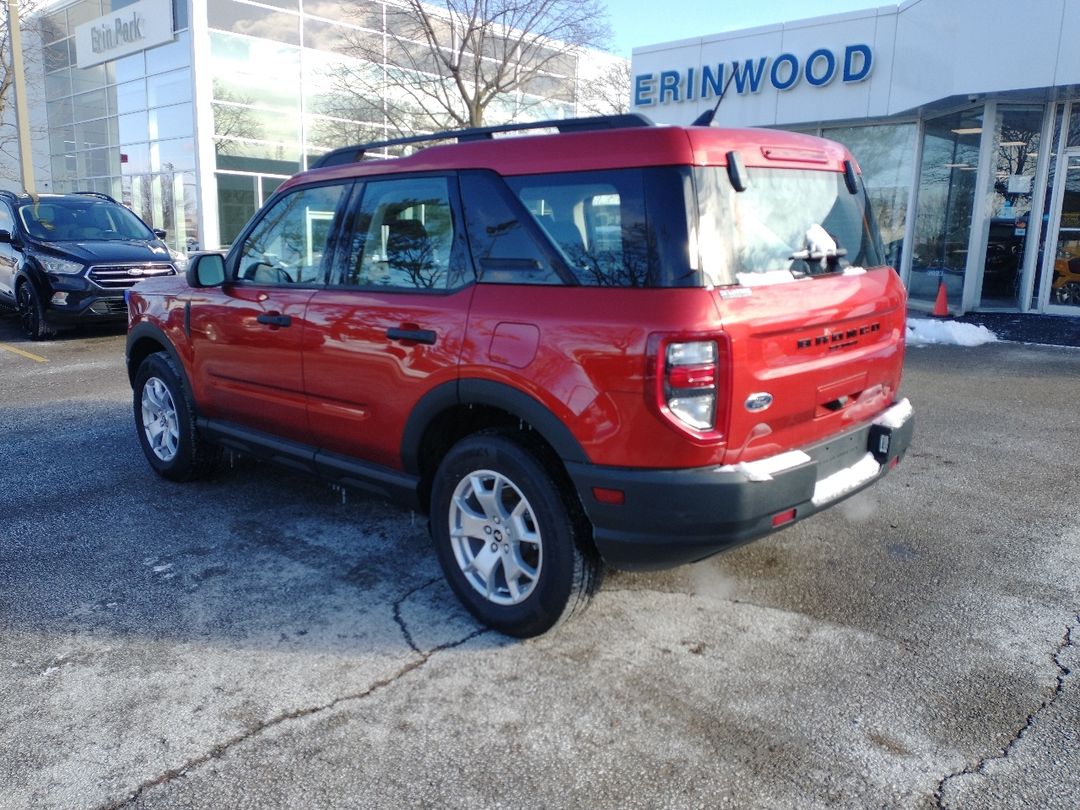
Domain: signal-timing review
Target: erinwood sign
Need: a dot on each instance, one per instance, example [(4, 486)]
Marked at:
[(783, 72), (124, 31)]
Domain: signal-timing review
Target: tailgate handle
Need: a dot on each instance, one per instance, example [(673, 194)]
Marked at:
[(274, 319), (412, 335)]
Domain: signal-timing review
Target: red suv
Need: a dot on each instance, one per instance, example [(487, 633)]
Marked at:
[(619, 343)]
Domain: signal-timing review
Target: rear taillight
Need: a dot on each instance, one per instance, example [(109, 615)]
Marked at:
[(689, 380)]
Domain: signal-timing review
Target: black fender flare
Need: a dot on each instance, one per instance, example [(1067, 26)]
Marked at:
[(494, 394), (150, 331)]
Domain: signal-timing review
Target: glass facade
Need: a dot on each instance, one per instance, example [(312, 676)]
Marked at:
[(946, 198), (126, 127), (291, 83), (1011, 189), (886, 155)]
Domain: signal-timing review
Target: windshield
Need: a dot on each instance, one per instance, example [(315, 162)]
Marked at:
[(788, 223), (82, 219)]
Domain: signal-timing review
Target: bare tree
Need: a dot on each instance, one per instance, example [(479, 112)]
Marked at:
[(9, 136), (607, 92), (231, 120), (448, 65)]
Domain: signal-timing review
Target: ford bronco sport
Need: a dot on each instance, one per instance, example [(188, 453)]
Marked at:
[(619, 343), (66, 259)]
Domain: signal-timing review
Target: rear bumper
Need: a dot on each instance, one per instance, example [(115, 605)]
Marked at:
[(672, 517)]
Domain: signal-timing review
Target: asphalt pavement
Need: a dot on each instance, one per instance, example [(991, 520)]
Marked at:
[(263, 640)]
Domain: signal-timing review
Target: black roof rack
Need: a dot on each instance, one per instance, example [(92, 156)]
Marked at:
[(17, 195), (96, 194), (354, 154)]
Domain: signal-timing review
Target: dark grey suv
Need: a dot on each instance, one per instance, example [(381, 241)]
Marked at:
[(67, 259)]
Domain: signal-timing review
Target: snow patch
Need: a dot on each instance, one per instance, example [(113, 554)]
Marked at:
[(843, 481), (896, 415), (926, 332), (763, 469), (767, 277)]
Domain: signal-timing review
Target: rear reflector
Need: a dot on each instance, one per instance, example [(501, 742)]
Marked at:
[(683, 377), (783, 517), (614, 497)]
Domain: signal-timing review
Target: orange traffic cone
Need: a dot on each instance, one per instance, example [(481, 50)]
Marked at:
[(941, 305)]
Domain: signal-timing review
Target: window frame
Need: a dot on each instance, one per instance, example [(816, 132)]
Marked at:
[(540, 237), (232, 259), (460, 252)]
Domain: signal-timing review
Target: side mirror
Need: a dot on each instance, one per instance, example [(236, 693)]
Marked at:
[(160, 233), (205, 270), (5, 237)]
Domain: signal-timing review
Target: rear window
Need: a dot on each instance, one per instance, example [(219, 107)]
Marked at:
[(787, 224)]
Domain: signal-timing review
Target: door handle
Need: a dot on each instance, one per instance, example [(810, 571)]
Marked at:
[(413, 335), (274, 319)]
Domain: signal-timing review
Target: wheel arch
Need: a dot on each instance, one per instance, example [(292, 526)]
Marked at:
[(457, 409), (146, 339)]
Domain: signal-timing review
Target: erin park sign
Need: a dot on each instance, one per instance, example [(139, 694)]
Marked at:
[(783, 72), (125, 31)]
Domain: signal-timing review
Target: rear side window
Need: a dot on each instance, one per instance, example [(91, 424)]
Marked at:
[(503, 238), (597, 220), (618, 228), (775, 226), (290, 243)]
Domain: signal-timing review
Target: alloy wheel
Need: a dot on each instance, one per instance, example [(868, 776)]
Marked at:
[(495, 537), (159, 419)]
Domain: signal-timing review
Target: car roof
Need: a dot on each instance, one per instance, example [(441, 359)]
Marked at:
[(603, 149)]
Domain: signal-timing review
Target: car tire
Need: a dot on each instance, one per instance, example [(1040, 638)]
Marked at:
[(512, 546), (32, 313), (165, 422)]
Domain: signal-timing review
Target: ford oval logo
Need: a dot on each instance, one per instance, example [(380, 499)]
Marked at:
[(758, 402), (134, 271)]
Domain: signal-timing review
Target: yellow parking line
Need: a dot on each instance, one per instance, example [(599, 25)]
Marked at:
[(37, 358)]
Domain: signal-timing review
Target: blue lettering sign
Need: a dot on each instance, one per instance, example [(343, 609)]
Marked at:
[(669, 85), (748, 78), (783, 72), (851, 74), (712, 84), (644, 87), (820, 79), (792, 64)]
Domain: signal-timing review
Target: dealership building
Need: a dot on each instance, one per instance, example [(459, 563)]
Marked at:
[(963, 114), (193, 111)]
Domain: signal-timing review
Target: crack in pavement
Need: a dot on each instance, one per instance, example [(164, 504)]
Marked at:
[(222, 748), (401, 622), (979, 768)]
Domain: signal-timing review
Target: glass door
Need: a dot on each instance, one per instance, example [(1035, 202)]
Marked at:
[(1065, 284), (1014, 157)]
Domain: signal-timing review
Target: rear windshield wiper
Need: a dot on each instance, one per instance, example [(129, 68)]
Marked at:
[(817, 262)]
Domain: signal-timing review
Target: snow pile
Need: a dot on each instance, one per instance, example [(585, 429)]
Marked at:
[(926, 332)]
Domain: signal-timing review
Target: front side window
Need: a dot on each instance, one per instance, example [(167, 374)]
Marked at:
[(6, 222), (788, 222), (403, 237), (291, 242)]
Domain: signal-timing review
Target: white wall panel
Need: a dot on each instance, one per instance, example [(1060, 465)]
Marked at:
[(923, 51)]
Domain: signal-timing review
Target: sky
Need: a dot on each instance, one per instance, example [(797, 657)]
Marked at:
[(636, 23)]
